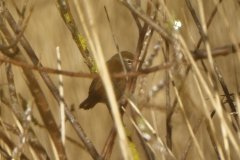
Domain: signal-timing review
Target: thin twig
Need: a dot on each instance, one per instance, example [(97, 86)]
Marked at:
[(209, 22), (194, 15), (65, 11), (106, 152), (197, 54), (227, 94), (189, 143), (61, 93), (10, 144), (53, 89), (168, 103), (40, 100), (149, 21)]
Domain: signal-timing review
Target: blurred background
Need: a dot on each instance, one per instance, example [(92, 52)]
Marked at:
[(46, 30)]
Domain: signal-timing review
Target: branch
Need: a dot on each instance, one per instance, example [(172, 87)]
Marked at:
[(53, 89), (66, 14)]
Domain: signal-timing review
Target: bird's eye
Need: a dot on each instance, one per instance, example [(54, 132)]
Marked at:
[(129, 61)]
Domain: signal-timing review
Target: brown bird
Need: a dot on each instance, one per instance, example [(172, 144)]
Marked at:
[(97, 92)]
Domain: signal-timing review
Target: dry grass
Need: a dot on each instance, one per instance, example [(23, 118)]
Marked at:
[(187, 108)]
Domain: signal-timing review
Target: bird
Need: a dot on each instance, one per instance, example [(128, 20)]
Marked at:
[(97, 92)]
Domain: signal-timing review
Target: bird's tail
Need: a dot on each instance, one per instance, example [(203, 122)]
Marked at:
[(88, 103)]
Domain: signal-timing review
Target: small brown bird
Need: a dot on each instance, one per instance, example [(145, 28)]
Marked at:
[(97, 92)]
